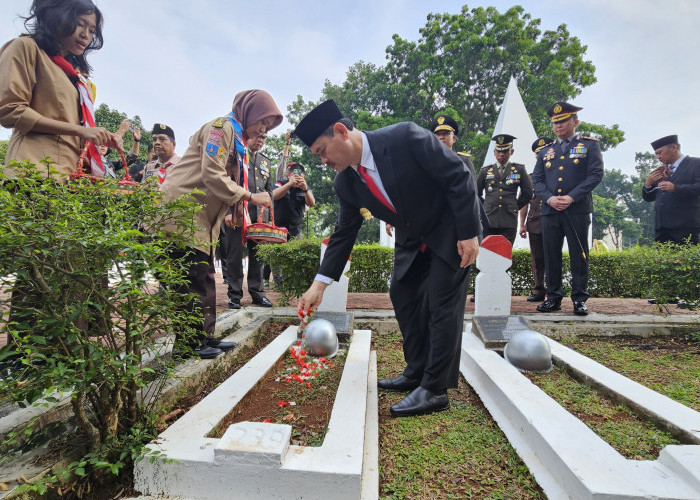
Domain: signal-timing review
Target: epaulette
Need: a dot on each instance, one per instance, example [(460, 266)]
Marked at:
[(463, 153), (590, 138), (219, 122)]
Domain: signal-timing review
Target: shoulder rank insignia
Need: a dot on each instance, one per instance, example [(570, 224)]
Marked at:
[(219, 122), (589, 138), (463, 153)]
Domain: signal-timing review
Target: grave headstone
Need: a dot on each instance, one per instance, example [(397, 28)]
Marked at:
[(493, 283), (335, 300)]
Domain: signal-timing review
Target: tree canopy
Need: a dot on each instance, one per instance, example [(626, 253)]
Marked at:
[(461, 65)]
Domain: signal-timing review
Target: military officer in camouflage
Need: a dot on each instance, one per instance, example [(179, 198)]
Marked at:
[(259, 181), (565, 175), (505, 188)]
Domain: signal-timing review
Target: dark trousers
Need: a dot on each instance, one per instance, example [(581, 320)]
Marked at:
[(232, 255), (680, 236), (199, 267), (573, 227), (429, 306), (537, 261), (508, 232)]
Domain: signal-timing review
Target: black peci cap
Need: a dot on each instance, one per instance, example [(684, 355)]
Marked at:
[(664, 141), (317, 121)]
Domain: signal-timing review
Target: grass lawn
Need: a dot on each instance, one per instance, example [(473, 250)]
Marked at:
[(462, 453)]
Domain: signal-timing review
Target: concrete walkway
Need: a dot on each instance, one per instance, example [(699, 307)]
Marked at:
[(519, 305)]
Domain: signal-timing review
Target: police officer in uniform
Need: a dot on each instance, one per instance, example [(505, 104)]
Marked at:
[(498, 185), (531, 222), (565, 175), (259, 180)]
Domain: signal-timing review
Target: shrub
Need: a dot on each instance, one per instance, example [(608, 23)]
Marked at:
[(70, 332), (662, 271)]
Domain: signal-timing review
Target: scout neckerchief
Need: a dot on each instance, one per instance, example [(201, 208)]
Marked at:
[(87, 113), (242, 154)]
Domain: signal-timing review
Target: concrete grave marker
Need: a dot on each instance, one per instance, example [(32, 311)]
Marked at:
[(493, 284), (335, 300)]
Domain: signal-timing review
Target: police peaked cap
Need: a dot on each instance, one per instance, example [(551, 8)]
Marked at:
[(161, 128), (444, 122), (664, 141), (504, 142), (317, 121), (540, 143), (561, 111)]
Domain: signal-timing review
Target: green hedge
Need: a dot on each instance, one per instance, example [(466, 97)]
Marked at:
[(661, 271)]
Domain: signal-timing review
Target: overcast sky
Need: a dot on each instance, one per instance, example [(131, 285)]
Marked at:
[(181, 62)]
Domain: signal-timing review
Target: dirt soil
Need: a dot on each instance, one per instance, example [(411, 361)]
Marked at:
[(306, 404)]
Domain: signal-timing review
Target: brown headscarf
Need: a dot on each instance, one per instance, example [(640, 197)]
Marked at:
[(251, 106)]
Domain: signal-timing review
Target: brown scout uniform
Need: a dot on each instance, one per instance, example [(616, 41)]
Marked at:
[(212, 174), (32, 87)]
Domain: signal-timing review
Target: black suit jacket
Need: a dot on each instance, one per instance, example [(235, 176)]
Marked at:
[(678, 209), (575, 172), (432, 192)]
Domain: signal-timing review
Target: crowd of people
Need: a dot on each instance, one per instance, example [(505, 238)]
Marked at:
[(406, 175)]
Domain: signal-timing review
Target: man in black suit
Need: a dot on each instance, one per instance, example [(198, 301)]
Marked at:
[(565, 175), (675, 186), (407, 178)]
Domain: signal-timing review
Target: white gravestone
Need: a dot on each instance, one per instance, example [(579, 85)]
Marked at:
[(335, 297), (493, 284)]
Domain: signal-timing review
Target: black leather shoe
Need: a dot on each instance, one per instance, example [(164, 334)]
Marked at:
[(234, 303), (262, 302), (207, 352), (580, 308), (398, 384), (471, 299), (549, 306), (535, 298), (420, 402), (224, 346)]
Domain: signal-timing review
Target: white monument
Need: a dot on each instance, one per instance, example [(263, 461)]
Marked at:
[(514, 119)]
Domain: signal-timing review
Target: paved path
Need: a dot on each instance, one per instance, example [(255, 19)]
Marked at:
[(381, 301)]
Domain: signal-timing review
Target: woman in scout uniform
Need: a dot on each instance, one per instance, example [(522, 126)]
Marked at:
[(565, 175), (214, 169), (498, 185), (44, 95)]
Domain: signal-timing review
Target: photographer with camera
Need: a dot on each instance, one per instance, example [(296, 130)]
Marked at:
[(292, 195)]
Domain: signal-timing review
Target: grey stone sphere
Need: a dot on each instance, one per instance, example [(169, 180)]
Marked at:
[(529, 351), (320, 338)]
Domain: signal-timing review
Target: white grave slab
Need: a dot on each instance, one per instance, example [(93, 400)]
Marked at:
[(255, 459), (493, 285)]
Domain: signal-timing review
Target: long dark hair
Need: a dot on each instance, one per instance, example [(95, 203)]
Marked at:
[(51, 20)]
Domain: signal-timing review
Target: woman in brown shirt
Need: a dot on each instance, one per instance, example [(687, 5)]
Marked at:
[(38, 99)]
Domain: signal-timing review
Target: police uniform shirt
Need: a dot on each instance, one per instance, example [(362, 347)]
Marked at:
[(575, 171)]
